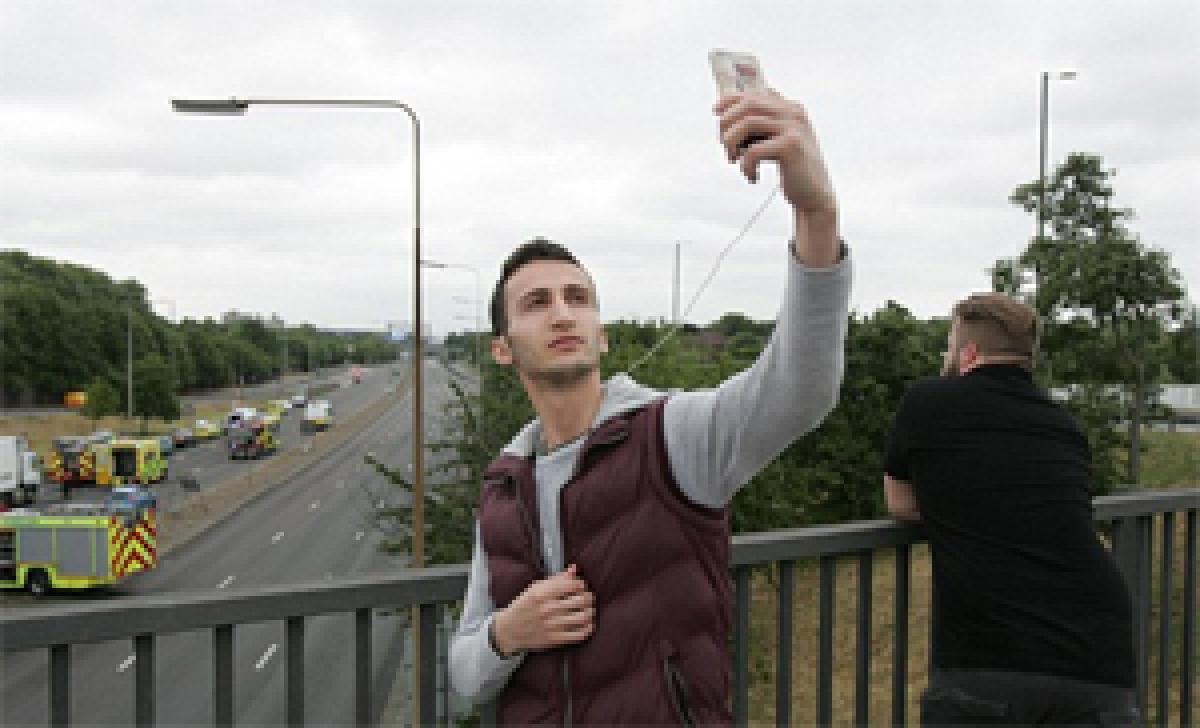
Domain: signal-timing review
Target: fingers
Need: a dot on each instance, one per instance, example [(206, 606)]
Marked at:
[(752, 130), (571, 626)]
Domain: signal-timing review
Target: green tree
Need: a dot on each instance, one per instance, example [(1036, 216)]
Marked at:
[(154, 395), (1105, 299), (103, 399)]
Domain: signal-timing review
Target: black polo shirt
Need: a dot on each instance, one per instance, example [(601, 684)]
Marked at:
[(1021, 580)]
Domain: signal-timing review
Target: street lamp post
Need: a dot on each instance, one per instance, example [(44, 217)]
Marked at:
[(236, 106), (1043, 144), (1044, 139), (479, 330)]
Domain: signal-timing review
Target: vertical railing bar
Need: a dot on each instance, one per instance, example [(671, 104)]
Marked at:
[(294, 655), (427, 663), (223, 674), (933, 621), (783, 654), (362, 666), (825, 642), (143, 679), (60, 685), (1146, 541), (1187, 671), (862, 658), (1167, 559), (741, 645), (446, 690), (900, 627)]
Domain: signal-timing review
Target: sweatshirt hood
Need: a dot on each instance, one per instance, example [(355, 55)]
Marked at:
[(620, 394)]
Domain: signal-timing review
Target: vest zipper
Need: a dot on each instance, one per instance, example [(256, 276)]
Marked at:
[(566, 665)]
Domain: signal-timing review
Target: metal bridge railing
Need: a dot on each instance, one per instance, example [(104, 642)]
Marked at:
[(1153, 536)]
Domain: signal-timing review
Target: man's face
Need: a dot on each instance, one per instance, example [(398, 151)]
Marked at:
[(554, 332)]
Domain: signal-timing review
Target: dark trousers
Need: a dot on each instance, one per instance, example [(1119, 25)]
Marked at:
[(997, 697)]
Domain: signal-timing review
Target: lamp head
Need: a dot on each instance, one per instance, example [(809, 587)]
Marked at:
[(230, 106)]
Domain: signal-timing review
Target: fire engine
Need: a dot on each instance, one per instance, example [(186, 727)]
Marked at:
[(78, 545)]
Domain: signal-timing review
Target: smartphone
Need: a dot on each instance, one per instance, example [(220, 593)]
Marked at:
[(736, 73)]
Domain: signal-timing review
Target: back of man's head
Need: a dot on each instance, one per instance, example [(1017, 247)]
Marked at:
[(534, 250), (999, 326)]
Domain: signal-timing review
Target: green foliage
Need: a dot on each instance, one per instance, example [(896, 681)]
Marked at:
[(154, 390), (453, 477), (1107, 302), (63, 325), (103, 399), (832, 474)]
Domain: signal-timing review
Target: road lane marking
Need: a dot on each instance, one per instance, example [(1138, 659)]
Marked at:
[(359, 536), (228, 580), (262, 661), (315, 505), (278, 535), (127, 663)]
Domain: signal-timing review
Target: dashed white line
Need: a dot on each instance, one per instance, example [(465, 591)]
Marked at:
[(266, 657), (127, 663), (278, 535), (315, 505), (359, 536), (228, 580)]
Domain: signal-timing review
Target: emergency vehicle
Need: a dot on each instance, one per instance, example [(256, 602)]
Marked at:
[(252, 440), (129, 461), (318, 415), (71, 461), (77, 545)]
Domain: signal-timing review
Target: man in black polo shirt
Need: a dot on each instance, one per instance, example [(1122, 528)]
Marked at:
[(1032, 620)]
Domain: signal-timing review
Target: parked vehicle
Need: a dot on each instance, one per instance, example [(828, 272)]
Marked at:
[(71, 461), (253, 440), (20, 472), (166, 444), (77, 546), (239, 415), (206, 430), (183, 437), (299, 399), (318, 415), (134, 461)]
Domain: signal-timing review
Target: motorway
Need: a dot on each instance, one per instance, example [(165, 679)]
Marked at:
[(315, 527)]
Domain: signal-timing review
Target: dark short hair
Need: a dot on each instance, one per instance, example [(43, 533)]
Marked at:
[(531, 251), (998, 325)]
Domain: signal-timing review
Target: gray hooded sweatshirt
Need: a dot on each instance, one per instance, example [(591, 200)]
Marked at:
[(716, 440)]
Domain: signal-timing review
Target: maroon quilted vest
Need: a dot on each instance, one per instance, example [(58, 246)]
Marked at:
[(658, 566)]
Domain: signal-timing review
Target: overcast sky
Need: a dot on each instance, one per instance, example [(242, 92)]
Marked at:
[(587, 122)]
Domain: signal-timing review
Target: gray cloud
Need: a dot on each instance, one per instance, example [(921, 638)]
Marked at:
[(587, 122)]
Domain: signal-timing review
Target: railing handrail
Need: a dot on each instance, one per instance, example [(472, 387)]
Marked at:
[(125, 618)]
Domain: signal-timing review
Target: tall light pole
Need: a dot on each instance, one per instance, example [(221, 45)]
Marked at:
[(478, 329), (1043, 144), (236, 106), (477, 301), (1044, 139)]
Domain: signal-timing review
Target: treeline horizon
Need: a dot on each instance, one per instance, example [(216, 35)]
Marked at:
[(63, 325)]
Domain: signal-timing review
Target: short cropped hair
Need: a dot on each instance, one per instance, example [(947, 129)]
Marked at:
[(998, 325), (531, 251)]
